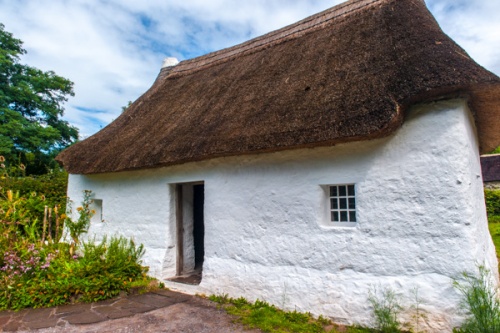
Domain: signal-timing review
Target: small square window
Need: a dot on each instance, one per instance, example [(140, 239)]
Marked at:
[(352, 203), (333, 191), (352, 216), (335, 216), (342, 202), (342, 191), (350, 190), (334, 203), (96, 208)]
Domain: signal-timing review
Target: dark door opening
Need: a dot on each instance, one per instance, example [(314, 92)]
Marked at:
[(190, 227), (198, 225)]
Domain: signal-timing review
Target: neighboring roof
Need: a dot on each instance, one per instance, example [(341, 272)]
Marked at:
[(490, 165), (342, 75)]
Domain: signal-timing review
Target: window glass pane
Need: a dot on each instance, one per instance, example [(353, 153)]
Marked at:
[(352, 203), (350, 190), (335, 216), (343, 216), (333, 203), (342, 191), (343, 203), (333, 191), (352, 216)]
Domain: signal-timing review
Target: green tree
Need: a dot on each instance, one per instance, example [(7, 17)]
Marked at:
[(31, 129)]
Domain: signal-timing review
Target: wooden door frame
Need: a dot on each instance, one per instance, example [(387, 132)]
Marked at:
[(179, 229)]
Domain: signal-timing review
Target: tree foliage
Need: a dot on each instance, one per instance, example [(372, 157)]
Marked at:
[(31, 107)]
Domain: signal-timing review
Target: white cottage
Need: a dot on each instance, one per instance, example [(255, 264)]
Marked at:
[(308, 165)]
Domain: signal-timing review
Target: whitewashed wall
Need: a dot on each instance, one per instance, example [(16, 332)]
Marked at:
[(420, 210)]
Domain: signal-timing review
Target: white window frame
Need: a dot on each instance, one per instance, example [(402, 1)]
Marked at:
[(340, 203)]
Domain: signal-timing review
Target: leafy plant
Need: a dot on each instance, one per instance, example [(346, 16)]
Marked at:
[(81, 226), (480, 301), (386, 308), (25, 213), (51, 185), (39, 277), (36, 270)]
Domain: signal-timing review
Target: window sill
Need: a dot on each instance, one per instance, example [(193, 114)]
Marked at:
[(344, 225)]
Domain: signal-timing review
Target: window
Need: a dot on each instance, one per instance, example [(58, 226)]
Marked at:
[(342, 204), (96, 206)]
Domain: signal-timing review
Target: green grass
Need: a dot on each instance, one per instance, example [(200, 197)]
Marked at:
[(269, 318), (495, 235)]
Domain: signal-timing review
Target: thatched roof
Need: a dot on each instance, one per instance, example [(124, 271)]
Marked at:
[(490, 165), (345, 74)]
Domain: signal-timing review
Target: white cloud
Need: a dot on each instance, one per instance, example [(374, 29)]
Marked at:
[(113, 49), (474, 25)]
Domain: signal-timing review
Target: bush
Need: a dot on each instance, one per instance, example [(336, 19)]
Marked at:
[(492, 202), (31, 206), (36, 270), (39, 277), (52, 186)]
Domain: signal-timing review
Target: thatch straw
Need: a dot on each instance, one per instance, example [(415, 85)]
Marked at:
[(346, 74)]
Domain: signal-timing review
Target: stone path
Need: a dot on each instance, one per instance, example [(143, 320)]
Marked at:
[(159, 311)]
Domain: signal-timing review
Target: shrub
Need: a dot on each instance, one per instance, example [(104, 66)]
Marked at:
[(39, 277), (30, 206), (36, 270), (492, 202), (52, 186), (480, 301)]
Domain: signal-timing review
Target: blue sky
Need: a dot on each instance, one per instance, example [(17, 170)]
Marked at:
[(113, 49)]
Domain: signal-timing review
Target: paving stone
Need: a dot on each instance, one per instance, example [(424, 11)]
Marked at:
[(6, 314), (84, 318), (85, 313), (106, 302), (124, 304), (139, 307), (42, 323), (4, 319), (14, 325), (155, 300), (178, 297), (72, 309), (113, 312), (38, 314)]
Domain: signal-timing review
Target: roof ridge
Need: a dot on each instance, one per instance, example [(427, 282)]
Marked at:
[(279, 36)]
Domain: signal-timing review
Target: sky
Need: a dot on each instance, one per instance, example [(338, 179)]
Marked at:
[(113, 49)]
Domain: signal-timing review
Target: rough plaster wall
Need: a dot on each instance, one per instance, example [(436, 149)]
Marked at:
[(420, 212), (133, 206)]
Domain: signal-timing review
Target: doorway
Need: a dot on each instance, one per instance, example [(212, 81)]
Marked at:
[(190, 226)]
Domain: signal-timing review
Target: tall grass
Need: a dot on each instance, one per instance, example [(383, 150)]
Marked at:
[(386, 309), (481, 303)]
